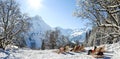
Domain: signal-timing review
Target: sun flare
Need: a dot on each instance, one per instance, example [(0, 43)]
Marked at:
[(37, 4)]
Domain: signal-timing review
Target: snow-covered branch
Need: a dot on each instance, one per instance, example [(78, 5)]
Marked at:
[(114, 6), (101, 9), (109, 25), (112, 12), (115, 11), (103, 37)]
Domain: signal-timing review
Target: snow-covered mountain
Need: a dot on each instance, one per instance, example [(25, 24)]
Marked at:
[(74, 34), (37, 31), (39, 27)]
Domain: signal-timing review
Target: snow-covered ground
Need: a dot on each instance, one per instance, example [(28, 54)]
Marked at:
[(113, 53), (42, 54)]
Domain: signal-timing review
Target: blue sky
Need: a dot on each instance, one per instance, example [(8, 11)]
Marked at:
[(56, 13)]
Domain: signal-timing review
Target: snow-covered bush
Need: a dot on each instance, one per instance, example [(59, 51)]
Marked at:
[(11, 47)]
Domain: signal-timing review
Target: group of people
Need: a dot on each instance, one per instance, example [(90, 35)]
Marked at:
[(76, 48), (96, 52)]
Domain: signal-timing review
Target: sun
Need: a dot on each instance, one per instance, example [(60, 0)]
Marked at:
[(36, 4)]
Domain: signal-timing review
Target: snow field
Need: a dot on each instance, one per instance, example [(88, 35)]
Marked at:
[(113, 53)]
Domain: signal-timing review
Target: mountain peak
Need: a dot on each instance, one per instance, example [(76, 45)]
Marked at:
[(38, 24)]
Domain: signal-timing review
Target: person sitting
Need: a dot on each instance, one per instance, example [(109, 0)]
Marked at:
[(92, 52), (74, 48), (77, 48), (99, 54), (82, 48), (103, 49), (61, 50), (66, 48)]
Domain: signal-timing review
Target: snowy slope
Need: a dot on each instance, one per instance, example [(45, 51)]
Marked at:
[(78, 34), (65, 32)]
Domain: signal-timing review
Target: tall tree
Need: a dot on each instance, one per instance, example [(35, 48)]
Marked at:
[(53, 37), (43, 45), (104, 14), (12, 22)]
